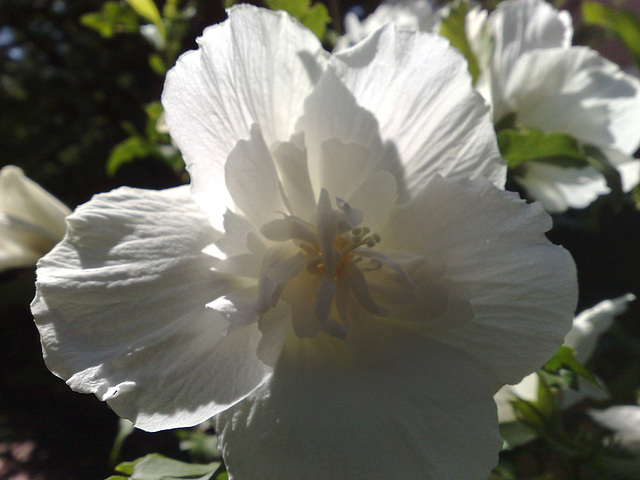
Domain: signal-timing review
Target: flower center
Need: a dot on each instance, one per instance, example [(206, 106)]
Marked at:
[(324, 280)]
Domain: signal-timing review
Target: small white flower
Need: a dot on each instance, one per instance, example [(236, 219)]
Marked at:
[(624, 422), (346, 285), (583, 337), (31, 219), (536, 74)]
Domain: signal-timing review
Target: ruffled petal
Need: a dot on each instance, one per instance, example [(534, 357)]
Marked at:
[(324, 414), (255, 68), (120, 306), (574, 90), (489, 242), (420, 90)]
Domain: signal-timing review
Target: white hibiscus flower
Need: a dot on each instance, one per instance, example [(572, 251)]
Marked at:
[(536, 74), (405, 14), (31, 219), (363, 290)]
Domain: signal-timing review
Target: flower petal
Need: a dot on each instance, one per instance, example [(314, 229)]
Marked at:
[(593, 322), (576, 91), (375, 197), (491, 243), (31, 219), (420, 90), (120, 306), (624, 422), (25, 200), (558, 188), (325, 415), (257, 67), (331, 114), (252, 179), (520, 26)]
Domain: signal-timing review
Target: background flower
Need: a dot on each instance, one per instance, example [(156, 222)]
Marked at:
[(31, 219), (587, 328), (535, 74)]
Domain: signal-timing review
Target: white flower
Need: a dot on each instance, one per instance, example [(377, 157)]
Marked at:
[(583, 337), (31, 219), (536, 74), (368, 289), (405, 14), (593, 322), (624, 422)]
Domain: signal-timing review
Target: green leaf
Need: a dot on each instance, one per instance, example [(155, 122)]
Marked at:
[(125, 152), (112, 19), (528, 413), (315, 17), (158, 467), (546, 403), (625, 25), (148, 10), (453, 28), (157, 64), (125, 467), (635, 196), (523, 144), (565, 358)]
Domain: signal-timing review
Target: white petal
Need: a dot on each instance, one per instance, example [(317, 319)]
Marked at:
[(120, 306), (237, 232), (325, 415), (31, 219), (294, 175), (375, 198), (527, 390), (252, 179), (407, 15), (523, 288), (17, 248), (480, 38), (520, 26), (624, 421), (593, 322), (331, 113), (574, 90), (420, 90), (558, 188), (343, 167), (237, 308), (25, 200), (627, 166), (257, 67)]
